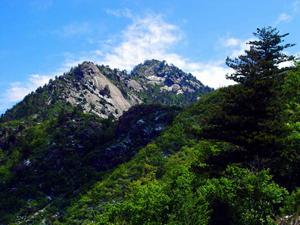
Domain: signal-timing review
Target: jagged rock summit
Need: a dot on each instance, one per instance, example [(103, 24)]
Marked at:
[(168, 77)]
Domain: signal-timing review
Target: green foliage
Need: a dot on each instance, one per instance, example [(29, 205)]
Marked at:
[(249, 198), (292, 204), (147, 204), (288, 162), (46, 163), (137, 192), (47, 160)]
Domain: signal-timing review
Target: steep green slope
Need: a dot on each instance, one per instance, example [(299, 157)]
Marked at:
[(46, 163), (183, 177)]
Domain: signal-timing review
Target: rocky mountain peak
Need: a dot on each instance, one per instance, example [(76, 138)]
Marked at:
[(168, 77), (86, 69), (89, 68)]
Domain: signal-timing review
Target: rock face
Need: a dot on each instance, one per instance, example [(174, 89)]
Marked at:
[(95, 93)]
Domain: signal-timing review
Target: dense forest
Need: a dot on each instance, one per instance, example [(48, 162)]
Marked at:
[(231, 157)]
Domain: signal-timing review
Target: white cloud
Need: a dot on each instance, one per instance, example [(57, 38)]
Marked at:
[(146, 38), (152, 38), (38, 80), (286, 64), (73, 30), (214, 75), (241, 48), (231, 42), (283, 17), (234, 46), (18, 90)]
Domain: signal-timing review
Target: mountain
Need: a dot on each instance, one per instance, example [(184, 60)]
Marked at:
[(109, 92), (69, 133)]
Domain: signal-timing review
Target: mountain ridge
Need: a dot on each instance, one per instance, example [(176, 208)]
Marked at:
[(109, 92)]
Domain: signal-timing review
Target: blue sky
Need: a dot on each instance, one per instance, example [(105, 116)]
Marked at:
[(43, 38)]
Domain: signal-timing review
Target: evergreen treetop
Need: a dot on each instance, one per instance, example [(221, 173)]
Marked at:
[(261, 62)]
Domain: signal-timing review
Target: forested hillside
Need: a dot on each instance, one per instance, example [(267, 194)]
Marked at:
[(232, 157), (184, 177)]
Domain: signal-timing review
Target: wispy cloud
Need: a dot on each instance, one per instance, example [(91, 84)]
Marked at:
[(18, 90), (120, 13), (296, 6), (283, 17), (234, 46), (286, 17), (73, 30), (231, 42)]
